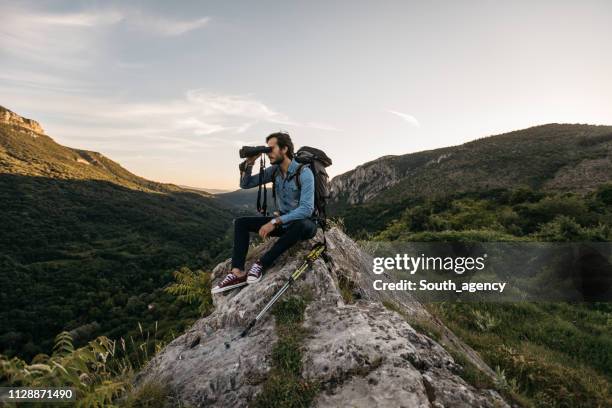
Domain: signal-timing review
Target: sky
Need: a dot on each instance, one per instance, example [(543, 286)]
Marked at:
[(171, 90)]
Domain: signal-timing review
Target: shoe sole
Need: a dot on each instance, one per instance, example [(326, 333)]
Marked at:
[(251, 279), (219, 290)]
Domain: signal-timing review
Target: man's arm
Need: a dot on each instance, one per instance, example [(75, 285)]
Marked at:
[(306, 205), (249, 181)]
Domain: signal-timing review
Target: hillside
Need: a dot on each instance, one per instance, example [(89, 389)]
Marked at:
[(544, 184), (553, 157), (87, 245), (26, 150), (245, 200)]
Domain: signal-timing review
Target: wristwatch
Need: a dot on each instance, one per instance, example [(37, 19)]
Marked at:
[(275, 221)]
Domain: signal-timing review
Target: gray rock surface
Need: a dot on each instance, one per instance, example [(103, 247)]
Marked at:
[(365, 181), (361, 354)]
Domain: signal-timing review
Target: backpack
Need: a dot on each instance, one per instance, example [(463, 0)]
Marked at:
[(317, 161)]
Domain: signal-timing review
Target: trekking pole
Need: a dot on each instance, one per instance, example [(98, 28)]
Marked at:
[(316, 251)]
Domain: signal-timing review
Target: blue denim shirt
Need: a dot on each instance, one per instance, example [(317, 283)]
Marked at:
[(292, 204)]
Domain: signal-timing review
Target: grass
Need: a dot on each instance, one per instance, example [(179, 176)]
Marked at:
[(346, 287), (100, 372), (468, 371), (284, 386), (150, 395), (543, 353), (420, 325)]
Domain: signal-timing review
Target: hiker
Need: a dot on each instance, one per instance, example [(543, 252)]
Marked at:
[(294, 191)]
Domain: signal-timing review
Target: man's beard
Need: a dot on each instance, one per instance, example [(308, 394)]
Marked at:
[(279, 160)]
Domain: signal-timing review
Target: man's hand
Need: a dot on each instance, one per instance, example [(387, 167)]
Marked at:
[(251, 160), (266, 229)]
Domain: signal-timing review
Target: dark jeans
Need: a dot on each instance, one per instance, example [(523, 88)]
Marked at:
[(289, 236)]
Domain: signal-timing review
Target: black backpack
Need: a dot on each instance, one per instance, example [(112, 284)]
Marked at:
[(317, 161)]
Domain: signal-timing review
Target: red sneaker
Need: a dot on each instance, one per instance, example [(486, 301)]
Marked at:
[(255, 273), (231, 281)]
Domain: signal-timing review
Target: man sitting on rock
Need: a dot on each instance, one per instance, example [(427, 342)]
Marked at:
[(296, 206)]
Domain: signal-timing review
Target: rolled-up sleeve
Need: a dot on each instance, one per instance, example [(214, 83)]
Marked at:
[(306, 204), (249, 181)]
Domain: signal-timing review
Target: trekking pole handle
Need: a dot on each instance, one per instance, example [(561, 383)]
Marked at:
[(248, 328)]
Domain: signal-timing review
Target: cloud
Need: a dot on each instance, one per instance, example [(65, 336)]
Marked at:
[(200, 112), (322, 126), (83, 19), (52, 56), (204, 113), (197, 122), (77, 39), (25, 78), (164, 26), (245, 127), (64, 41), (240, 143), (199, 127), (135, 18), (407, 117), (129, 65), (245, 106)]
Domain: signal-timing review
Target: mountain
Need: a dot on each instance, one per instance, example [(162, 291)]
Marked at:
[(207, 190), (332, 340), (553, 157), (26, 150), (88, 245), (245, 200)]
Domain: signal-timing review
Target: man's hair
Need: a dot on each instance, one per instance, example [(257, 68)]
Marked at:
[(283, 140)]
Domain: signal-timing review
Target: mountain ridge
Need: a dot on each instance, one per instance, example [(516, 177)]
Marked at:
[(572, 157), (40, 155)]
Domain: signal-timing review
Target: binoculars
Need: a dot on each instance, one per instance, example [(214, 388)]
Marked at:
[(250, 151)]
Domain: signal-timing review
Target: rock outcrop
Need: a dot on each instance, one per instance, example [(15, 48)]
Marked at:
[(361, 353), (11, 118), (365, 181)]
